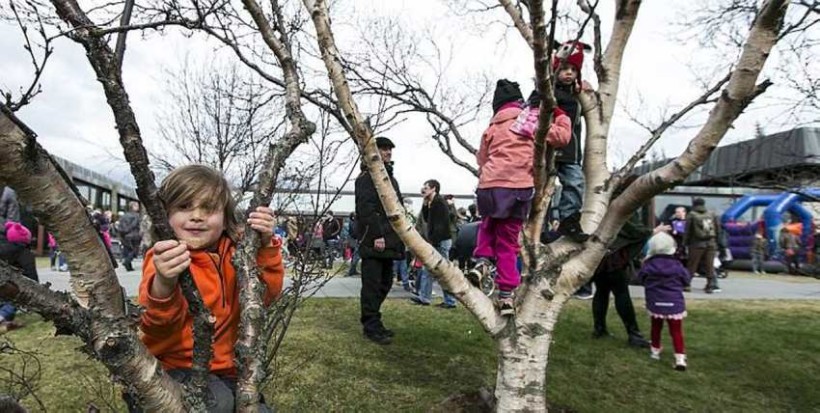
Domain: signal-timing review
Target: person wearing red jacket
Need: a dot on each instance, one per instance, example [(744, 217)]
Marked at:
[(201, 213)]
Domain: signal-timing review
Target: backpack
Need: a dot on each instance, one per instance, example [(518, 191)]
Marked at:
[(703, 226)]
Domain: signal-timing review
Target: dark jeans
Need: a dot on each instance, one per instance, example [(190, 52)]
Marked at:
[(571, 176), (377, 279), (222, 389), (130, 249), (617, 283)]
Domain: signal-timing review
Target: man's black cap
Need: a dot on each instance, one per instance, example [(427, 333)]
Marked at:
[(382, 142)]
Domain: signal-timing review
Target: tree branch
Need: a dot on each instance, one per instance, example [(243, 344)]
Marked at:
[(656, 133), (518, 20), (737, 95), (250, 350), (39, 65)]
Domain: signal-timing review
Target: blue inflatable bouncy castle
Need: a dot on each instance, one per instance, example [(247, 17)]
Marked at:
[(740, 234)]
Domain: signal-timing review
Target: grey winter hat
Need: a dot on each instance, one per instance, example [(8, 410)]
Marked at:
[(661, 244)]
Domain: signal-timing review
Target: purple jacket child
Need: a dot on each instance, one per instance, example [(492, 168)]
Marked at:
[(664, 277)]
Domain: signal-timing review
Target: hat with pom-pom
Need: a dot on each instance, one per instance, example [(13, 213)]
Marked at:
[(573, 54)]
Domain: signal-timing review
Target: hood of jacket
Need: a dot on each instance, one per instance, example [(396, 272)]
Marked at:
[(505, 115)]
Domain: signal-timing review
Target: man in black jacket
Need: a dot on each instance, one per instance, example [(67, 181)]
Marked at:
[(379, 245), (437, 216)]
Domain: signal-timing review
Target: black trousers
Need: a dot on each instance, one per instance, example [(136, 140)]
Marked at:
[(614, 282), (377, 279), (130, 249)]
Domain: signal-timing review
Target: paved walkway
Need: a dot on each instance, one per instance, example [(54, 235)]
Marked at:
[(739, 285)]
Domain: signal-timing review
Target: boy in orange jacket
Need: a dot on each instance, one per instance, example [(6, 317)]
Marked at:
[(201, 213)]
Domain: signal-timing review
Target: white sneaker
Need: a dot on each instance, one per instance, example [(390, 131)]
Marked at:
[(654, 353), (680, 362)]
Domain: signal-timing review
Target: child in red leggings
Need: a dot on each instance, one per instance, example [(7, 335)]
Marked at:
[(664, 278)]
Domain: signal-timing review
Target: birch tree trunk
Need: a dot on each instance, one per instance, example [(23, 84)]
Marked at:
[(522, 362)]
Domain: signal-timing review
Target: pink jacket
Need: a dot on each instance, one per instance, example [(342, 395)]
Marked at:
[(505, 158)]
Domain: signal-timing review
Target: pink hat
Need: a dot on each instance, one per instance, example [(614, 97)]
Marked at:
[(17, 233)]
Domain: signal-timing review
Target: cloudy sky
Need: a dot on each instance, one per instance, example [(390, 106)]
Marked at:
[(74, 122)]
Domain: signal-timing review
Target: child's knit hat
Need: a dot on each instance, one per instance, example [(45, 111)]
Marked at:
[(17, 233), (505, 92), (572, 55), (661, 244)]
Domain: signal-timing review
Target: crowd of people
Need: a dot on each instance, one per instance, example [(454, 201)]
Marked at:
[(202, 214)]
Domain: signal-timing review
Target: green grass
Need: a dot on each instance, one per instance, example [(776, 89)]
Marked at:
[(759, 356)]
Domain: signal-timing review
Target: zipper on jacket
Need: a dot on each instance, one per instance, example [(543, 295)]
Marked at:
[(219, 272)]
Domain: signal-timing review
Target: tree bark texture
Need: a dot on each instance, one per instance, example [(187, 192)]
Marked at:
[(251, 346), (109, 334), (543, 156), (599, 108), (523, 353)]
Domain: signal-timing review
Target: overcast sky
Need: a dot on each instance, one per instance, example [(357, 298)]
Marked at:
[(73, 121)]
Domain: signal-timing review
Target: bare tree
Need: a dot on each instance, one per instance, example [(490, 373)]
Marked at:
[(523, 341), (393, 65), (219, 116)]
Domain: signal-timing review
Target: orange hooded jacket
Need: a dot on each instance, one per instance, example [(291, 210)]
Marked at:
[(166, 325)]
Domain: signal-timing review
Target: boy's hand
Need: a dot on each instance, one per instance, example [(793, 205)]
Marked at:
[(171, 258), (262, 221)]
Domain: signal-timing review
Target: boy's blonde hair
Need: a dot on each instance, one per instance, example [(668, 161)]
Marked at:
[(200, 185)]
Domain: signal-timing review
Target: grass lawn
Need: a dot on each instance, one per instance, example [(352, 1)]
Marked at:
[(759, 356)]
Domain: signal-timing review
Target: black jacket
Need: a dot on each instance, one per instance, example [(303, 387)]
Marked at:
[(626, 247), (373, 223), (437, 216), (569, 104)]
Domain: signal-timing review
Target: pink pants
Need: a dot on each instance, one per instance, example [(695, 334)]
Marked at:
[(498, 238)]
